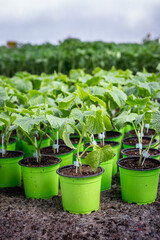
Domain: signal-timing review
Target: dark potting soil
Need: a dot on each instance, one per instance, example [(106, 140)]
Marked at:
[(11, 154), (133, 141), (135, 152), (133, 164), (86, 171), (49, 150), (112, 144), (45, 161), (112, 134), (22, 218), (150, 132), (74, 140)]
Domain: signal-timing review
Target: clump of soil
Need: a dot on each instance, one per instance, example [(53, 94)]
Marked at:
[(49, 150), (150, 132), (12, 154), (45, 161), (86, 171), (134, 140), (133, 164), (135, 152)]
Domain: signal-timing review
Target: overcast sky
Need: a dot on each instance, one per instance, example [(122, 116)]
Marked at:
[(39, 21)]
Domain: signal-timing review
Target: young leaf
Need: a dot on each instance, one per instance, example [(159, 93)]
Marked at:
[(96, 157), (123, 119)]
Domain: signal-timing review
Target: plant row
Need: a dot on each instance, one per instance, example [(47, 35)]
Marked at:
[(73, 127), (73, 54)]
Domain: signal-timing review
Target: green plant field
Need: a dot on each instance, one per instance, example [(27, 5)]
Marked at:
[(73, 54)]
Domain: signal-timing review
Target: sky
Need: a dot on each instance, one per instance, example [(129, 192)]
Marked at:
[(40, 21)]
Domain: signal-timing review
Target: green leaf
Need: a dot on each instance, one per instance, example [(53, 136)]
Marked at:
[(83, 95), (107, 123), (117, 96), (96, 157), (93, 81), (155, 121), (5, 118), (123, 119), (67, 140), (95, 123), (25, 123), (132, 101), (77, 114), (66, 102), (96, 99)]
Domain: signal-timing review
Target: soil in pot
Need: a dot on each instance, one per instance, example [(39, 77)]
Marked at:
[(135, 152), (80, 193), (86, 171), (40, 179), (65, 153), (139, 184), (132, 141), (148, 133), (10, 171), (148, 164)]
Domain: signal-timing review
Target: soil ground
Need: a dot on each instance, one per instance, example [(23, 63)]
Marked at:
[(28, 219)]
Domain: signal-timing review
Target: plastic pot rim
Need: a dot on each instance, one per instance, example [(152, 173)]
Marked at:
[(129, 132), (23, 165), (125, 149), (68, 176), (155, 141), (139, 170)]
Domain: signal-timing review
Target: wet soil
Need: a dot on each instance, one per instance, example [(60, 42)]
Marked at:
[(133, 141), (45, 161), (49, 150), (12, 154), (32, 219), (135, 152), (133, 164), (86, 171), (150, 132)]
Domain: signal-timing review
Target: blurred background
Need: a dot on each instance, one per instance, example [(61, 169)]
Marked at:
[(39, 21), (43, 36)]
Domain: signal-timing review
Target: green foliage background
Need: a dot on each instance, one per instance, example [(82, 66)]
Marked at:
[(73, 54)]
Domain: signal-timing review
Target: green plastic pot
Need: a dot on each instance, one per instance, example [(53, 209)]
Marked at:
[(10, 171), (128, 127), (40, 182), (127, 145), (122, 130), (134, 134), (138, 186), (29, 150), (80, 195), (125, 154), (66, 157), (116, 150), (11, 145)]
